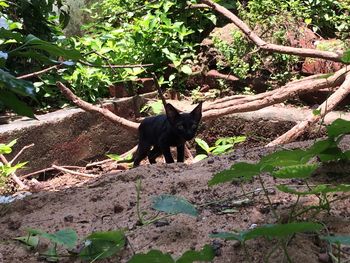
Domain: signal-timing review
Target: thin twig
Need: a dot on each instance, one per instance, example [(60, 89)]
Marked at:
[(20, 152), (73, 172), (34, 74), (50, 169)]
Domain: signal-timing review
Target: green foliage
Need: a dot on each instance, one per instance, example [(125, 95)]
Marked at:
[(344, 240), (173, 205), (205, 255), (7, 169), (65, 237), (222, 145), (100, 245), (270, 231), (153, 107)]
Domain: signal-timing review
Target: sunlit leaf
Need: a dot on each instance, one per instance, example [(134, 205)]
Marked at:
[(29, 240), (66, 237), (244, 171), (202, 144), (295, 171), (338, 127), (173, 205)]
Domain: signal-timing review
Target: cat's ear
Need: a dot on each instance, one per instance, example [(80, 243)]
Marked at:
[(171, 112), (197, 112)]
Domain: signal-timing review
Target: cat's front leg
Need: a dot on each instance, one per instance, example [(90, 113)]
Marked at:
[(167, 154), (180, 153)]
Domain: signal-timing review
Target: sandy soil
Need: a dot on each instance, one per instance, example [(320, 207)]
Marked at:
[(108, 203)]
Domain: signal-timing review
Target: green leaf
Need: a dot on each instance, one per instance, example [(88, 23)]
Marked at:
[(200, 157), (242, 171), (316, 112), (21, 87), (222, 149), (10, 100), (338, 127), (285, 158), (51, 254), (66, 237), (186, 69), (173, 205), (153, 256), (316, 190), (346, 57), (295, 171), (115, 157), (29, 240), (271, 231), (203, 145), (34, 42), (326, 150), (206, 254), (345, 240), (101, 245)]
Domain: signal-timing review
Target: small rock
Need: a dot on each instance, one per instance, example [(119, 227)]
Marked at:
[(210, 161), (68, 218), (323, 257), (161, 223), (13, 225), (118, 209), (217, 244)]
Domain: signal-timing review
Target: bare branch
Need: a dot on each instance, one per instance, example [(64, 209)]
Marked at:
[(302, 52), (37, 73), (59, 168), (49, 169), (130, 125), (324, 108)]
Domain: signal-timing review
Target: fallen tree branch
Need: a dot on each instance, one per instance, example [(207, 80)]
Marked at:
[(302, 52), (324, 108), (130, 125), (262, 100), (217, 75), (59, 168)]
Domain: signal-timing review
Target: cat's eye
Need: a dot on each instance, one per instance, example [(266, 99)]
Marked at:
[(180, 127), (194, 126)]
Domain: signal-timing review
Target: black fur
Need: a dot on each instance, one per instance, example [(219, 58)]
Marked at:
[(163, 131)]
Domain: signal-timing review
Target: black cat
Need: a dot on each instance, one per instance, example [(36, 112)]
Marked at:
[(163, 131)]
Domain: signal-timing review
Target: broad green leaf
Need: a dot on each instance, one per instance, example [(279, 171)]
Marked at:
[(346, 57), (200, 157), (222, 149), (10, 100), (34, 42), (295, 171), (19, 86), (5, 149), (271, 231), (316, 190), (29, 240), (205, 255), (282, 230), (316, 112), (101, 245), (153, 256), (66, 237), (186, 69), (344, 240), (285, 158), (243, 171), (202, 144), (173, 205), (338, 127), (115, 157)]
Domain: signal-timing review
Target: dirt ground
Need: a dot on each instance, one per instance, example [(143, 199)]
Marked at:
[(109, 202)]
